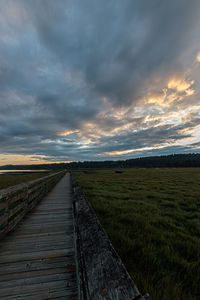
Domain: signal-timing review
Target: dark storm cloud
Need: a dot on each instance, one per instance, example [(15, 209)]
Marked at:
[(143, 138), (116, 45), (64, 62)]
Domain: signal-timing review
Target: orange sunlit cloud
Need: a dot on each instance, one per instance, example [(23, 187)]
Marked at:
[(124, 152), (198, 57), (19, 159), (68, 132), (177, 89), (180, 85), (158, 99)]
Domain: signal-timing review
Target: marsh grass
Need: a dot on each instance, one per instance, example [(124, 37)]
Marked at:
[(7, 180), (152, 217)]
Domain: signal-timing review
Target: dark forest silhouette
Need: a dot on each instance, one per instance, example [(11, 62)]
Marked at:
[(167, 161)]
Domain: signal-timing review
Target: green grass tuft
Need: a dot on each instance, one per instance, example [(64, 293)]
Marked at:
[(7, 180)]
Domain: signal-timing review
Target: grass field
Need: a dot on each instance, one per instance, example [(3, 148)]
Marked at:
[(7, 180), (152, 217)]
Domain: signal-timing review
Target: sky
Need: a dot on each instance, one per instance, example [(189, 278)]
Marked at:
[(98, 80)]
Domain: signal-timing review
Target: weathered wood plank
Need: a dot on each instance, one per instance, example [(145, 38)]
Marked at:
[(37, 248), (56, 294), (12, 277), (19, 196), (3, 205), (17, 208), (4, 218), (33, 288), (42, 239), (40, 276), (36, 255), (24, 235), (41, 229), (34, 265), (48, 223)]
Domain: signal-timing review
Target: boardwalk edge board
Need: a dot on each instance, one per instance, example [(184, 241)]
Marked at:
[(101, 275), (18, 200)]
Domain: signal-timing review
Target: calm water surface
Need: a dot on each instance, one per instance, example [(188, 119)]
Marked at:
[(20, 171)]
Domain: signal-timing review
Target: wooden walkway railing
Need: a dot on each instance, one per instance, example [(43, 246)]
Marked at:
[(100, 271), (17, 200), (37, 260)]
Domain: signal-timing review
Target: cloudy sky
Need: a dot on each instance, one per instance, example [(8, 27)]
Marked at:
[(98, 80)]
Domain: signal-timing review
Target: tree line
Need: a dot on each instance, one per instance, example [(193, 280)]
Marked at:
[(164, 161)]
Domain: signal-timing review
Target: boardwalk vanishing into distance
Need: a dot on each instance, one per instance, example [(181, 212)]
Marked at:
[(54, 247), (37, 259)]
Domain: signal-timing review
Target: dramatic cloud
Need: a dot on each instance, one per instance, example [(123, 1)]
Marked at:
[(91, 80)]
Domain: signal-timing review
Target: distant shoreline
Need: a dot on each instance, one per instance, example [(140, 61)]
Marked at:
[(21, 171)]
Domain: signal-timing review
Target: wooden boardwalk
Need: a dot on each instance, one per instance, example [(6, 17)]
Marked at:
[(37, 259)]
